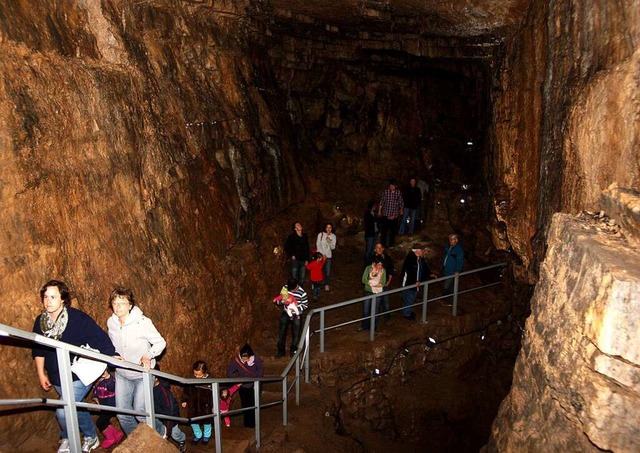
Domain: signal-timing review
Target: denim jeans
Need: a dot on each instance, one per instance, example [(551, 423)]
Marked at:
[(408, 298), (384, 306), (130, 395), (282, 332), (315, 288), (448, 289), (369, 244), (177, 434), (84, 418), (297, 270), (326, 270), (388, 229), (366, 322), (411, 215)]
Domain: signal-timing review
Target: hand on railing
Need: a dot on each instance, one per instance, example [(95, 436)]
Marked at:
[(145, 362)]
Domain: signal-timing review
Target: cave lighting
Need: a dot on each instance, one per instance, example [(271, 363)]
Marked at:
[(431, 342), (469, 143), (462, 200)]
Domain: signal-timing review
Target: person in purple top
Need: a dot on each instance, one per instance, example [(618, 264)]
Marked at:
[(62, 322), (246, 364)]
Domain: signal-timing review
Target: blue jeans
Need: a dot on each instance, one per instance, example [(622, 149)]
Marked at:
[(326, 270), (369, 244), (366, 322), (315, 287), (84, 418), (411, 215), (447, 289), (177, 434), (408, 298), (297, 270), (384, 306), (130, 395)]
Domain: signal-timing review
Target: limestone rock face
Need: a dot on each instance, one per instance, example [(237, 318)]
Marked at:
[(132, 154), (569, 102), (577, 379)]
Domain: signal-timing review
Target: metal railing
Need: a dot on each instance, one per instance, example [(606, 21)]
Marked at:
[(301, 360)]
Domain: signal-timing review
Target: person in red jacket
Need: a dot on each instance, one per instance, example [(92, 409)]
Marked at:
[(225, 402), (315, 267)]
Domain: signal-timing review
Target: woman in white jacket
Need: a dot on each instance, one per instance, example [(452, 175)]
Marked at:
[(326, 243), (136, 340)]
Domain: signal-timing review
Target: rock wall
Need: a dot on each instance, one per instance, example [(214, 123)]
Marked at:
[(576, 379), (135, 151), (566, 124)]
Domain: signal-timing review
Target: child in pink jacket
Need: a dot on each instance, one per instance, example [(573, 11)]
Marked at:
[(225, 401)]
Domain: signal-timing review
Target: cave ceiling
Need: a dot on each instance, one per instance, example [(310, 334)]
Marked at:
[(442, 18)]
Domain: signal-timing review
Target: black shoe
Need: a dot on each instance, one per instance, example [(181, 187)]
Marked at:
[(411, 317), (447, 304), (293, 352), (182, 447), (279, 354), (205, 441), (195, 441)]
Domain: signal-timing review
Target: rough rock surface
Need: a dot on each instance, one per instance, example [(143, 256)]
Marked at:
[(577, 379)]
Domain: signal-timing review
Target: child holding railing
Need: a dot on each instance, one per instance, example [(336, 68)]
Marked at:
[(104, 393), (225, 402), (198, 401)]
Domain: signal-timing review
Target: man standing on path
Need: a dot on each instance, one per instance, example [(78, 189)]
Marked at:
[(414, 272), (296, 290), (412, 198), (387, 264), (451, 265), (391, 207), (297, 249)]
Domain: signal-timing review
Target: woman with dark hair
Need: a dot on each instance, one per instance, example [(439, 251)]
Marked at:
[(326, 243), (246, 364), (61, 322)]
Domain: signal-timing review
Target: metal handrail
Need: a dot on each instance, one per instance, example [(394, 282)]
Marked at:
[(300, 360)]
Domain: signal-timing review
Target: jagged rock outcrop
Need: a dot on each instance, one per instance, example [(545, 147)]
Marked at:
[(577, 379)]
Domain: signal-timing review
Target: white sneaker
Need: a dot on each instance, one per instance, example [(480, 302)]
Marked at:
[(64, 446), (90, 443)]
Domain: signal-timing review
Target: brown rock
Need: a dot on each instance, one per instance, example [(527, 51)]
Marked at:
[(145, 438)]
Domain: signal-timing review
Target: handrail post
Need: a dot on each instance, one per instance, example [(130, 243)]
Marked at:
[(285, 402), (69, 398), (297, 365), (215, 391), (456, 279), (322, 331), (372, 326), (425, 299), (256, 398), (307, 355), (147, 383)]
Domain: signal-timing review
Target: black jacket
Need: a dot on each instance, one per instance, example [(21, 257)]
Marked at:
[(409, 271), (297, 246)]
